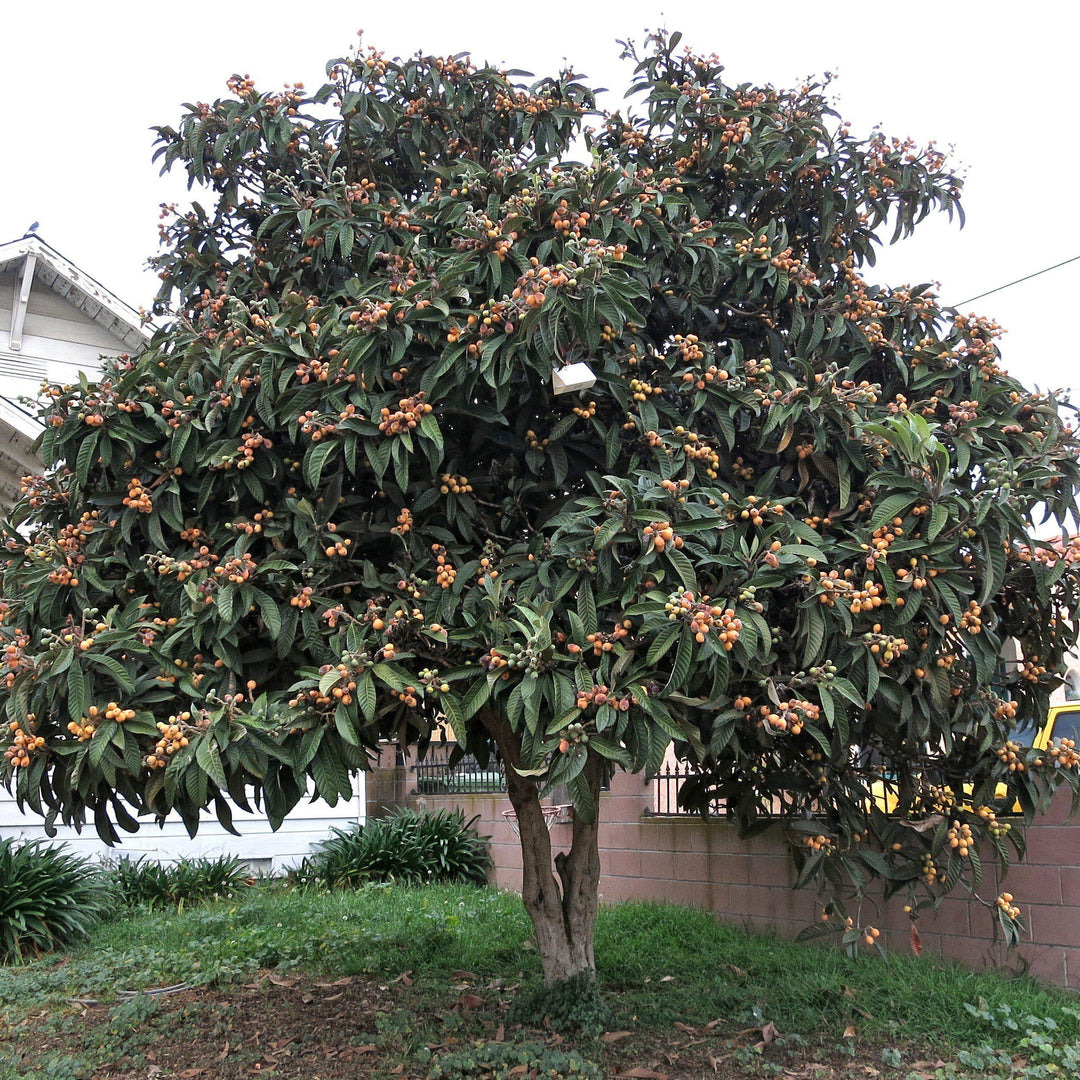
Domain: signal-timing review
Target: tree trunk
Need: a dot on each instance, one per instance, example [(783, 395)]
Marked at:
[(560, 895)]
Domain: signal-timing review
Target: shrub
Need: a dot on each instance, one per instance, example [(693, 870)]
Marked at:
[(411, 846), (188, 881), (49, 898)]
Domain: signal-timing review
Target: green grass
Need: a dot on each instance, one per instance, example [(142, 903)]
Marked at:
[(659, 964)]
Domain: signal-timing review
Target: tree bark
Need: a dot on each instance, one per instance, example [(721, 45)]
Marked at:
[(560, 895)]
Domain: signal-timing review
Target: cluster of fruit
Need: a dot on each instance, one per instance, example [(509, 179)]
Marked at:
[(641, 390), (23, 744), (704, 617), (337, 546), (602, 641), (137, 498), (238, 569), (574, 735), (455, 484), (63, 575), (432, 681), (1031, 670), (884, 646), (245, 452), (749, 248), (601, 695), (960, 838), (404, 522), (569, 222), (173, 738), (585, 412), (445, 573), (250, 528), (755, 512), (1064, 753), (531, 288), (788, 716), (303, 598), (659, 534), (698, 449), (930, 871), (695, 381), (411, 410), (1011, 754), (1005, 903), (971, 619)]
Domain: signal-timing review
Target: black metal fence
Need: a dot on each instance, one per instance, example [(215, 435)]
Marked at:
[(436, 776), (667, 784)]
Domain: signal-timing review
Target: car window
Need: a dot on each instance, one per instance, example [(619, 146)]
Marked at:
[(1067, 725), (1025, 733)]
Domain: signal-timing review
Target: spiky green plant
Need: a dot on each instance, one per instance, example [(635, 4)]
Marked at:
[(185, 882), (49, 898), (414, 846)]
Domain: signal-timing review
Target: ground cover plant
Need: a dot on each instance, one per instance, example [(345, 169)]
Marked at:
[(786, 518), (386, 977), (49, 898)]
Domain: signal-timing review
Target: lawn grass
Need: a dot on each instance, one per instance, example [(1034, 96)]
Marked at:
[(666, 970)]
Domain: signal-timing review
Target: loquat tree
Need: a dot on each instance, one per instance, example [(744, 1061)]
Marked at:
[(338, 498)]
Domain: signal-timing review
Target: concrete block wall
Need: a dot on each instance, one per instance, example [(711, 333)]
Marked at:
[(705, 864)]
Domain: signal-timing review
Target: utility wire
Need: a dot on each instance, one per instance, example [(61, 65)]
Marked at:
[(1017, 281)]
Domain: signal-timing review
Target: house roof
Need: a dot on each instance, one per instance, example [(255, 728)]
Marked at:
[(42, 263)]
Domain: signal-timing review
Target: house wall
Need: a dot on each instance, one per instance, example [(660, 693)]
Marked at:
[(58, 340), (258, 845), (689, 861)]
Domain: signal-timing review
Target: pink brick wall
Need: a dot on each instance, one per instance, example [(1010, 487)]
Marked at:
[(688, 861)]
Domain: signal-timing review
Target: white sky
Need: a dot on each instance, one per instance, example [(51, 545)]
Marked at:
[(87, 80)]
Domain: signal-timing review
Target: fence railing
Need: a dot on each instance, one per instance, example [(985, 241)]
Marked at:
[(667, 784), (436, 776)]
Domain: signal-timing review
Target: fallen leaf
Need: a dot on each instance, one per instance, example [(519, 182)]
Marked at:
[(470, 1001), (678, 1026), (668, 978), (715, 1062), (283, 980), (224, 1053), (768, 1033), (916, 941), (306, 998), (711, 1024), (849, 1032), (500, 1035), (404, 978), (644, 1074), (463, 976), (614, 1036), (519, 1070), (280, 1044), (864, 1014), (343, 981), (188, 1073), (848, 992), (333, 997), (736, 971)]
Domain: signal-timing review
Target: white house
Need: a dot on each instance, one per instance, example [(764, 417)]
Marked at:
[(55, 321)]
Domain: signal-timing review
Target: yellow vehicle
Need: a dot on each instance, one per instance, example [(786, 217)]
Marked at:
[(1062, 722)]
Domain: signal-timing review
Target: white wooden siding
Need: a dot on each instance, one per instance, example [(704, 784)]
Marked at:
[(307, 826)]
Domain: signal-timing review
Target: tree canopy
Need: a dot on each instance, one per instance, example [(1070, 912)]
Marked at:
[(789, 526)]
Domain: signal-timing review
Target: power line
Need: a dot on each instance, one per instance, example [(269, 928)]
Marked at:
[(1018, 280)]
